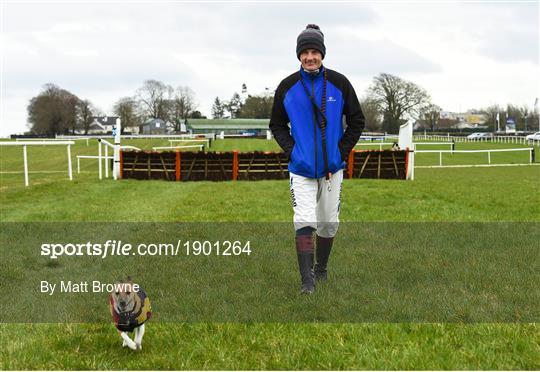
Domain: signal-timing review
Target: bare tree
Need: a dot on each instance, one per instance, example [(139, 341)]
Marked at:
[(44, 115), (154, 98), (85, 114), (53, 111), (70, 104), (127, 110), (431, 115), (372, 114), (533, 120), (399, 100), (490, 113), (182, 105), (521, 115)]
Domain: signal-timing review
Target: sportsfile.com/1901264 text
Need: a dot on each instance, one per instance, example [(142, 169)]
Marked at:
[(119, 248)]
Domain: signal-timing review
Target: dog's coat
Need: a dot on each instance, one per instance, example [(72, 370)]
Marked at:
[(128, 321)]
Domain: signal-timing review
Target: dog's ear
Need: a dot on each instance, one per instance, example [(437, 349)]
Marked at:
[(129, 280)]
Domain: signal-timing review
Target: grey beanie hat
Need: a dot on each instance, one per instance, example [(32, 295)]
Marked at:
[(310, 38)]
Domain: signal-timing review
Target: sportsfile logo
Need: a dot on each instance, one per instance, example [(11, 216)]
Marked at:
[(119, 248), (331, 99)]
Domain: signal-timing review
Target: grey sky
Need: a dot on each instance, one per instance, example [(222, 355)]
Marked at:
[(465, 54)]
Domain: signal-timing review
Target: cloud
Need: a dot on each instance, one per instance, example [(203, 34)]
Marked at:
[(513, 44), (103, 51), (505, 33), (371, 57), (91, 70)]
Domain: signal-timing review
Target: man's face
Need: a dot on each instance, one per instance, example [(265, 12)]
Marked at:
[(311, 59)]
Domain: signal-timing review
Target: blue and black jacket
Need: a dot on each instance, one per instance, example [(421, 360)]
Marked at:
[(302, 142)]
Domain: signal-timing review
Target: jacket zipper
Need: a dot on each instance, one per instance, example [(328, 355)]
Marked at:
[(314, 127)]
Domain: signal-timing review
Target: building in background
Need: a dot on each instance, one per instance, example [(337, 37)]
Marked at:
[(239, 127), (157, 126), (101, 125)]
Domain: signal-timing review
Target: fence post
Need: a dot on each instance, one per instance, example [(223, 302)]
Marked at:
[(489, 157), (106, 162), (70, 172), (440, 159), (99, 160), (350, 164), (177, 165), (121, 170), (235, 165), (25, 157)]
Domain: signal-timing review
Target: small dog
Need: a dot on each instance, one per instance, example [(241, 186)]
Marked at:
[(130, 309)]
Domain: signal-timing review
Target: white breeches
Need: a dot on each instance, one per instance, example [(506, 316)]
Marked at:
[(315, 204)]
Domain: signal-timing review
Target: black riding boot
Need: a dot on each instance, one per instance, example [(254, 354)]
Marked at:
[(305, 262), (324, 246), (304, 249)]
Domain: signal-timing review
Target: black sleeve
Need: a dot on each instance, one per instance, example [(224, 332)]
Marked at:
[(354, 118), (279, 120)]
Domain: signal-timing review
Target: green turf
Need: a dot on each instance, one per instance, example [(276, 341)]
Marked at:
[(398, 272), (471, 194), (468, 195), (274, 346)]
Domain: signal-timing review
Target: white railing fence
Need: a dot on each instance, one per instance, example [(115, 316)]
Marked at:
[(25, 144), (489, 152), (495, 139)]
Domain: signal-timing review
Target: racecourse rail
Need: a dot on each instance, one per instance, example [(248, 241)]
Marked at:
[(380, 144), (101, 158), (495, 139), (24, 144), (366, 141), (136, 136), (440, 152)]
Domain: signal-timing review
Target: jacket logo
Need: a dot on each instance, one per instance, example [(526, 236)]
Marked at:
[(331, 99)]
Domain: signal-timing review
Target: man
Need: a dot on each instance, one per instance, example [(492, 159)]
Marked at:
[(314, 100)]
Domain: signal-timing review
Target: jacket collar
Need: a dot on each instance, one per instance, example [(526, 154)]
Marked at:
[(311, 75)]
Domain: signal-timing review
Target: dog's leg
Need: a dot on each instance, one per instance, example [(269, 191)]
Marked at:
[(139, 333), (124, 343), (128, 341), (136, 337)]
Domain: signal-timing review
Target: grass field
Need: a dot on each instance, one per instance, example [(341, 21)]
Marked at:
[(275, 346), (468, 195)]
